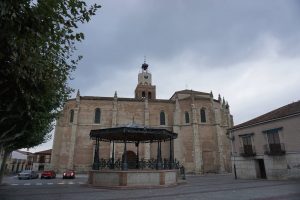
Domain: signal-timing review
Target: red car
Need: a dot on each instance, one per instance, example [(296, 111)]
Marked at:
[(48, 174), (69, 174)]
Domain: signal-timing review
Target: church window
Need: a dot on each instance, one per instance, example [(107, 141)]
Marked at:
[(71, 116), (187, 117), (143, 94), (162, 118), (149, 95), (97, 115), (203, 115)]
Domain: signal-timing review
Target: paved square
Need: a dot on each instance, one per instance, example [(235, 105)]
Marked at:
[(219, 187)]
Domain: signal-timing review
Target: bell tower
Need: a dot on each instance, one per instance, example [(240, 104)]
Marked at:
[(144, 88)]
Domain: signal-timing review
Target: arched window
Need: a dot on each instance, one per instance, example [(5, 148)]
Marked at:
[(71, 116), (187, 117), (149, 95), (97, 116), (143, 94), (162, 118), (202, 114)]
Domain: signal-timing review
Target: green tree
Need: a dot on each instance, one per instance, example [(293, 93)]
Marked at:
[(37, 44)]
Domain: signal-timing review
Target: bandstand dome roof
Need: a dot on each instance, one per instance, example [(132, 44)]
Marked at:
[(132, 133)]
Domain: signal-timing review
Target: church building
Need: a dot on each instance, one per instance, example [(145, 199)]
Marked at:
[(199, 120)]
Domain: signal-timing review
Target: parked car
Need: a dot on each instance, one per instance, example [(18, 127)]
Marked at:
[(28, 174), (48, 174), (69, 174)]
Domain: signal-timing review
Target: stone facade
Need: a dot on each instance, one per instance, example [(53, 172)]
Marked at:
[(199, 120), (272, 149)]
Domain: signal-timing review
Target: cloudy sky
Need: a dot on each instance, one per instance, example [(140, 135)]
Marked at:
[(247, 51)]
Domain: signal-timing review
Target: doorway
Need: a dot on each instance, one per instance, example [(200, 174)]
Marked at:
[(131, 159), (260, 169)]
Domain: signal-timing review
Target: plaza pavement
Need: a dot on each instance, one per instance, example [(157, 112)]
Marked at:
[(200, 187)]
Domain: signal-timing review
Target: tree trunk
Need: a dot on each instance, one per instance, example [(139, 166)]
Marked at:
[(2, 167)]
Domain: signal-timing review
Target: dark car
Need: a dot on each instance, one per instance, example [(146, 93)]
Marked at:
[(69, 174), (48, 174), (28, 174)]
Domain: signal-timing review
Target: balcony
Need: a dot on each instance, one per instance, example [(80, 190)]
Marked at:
[(247, 151), (274, 149)]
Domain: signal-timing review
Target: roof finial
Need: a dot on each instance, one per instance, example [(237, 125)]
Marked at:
[(145, 59)]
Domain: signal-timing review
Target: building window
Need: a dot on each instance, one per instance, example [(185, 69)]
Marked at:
[(149, 95), (143, 94), (71, 116), (187, 117), (162, 118), (273, 138), (202, 115), (97, 116), (247, 149), (274, 147)]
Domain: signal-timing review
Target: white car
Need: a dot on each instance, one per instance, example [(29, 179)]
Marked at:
[(28, 174)]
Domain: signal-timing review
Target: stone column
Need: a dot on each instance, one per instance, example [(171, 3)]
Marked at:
[(176, 129), (218, 130), (146, 124), (197, 147), (114, 121), (73, 138)]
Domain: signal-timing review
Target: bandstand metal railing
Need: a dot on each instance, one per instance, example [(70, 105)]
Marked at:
[(134, 135)]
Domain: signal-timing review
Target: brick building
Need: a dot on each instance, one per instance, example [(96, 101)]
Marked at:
[(199, 120)]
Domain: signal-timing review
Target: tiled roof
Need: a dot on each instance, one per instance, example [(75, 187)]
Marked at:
[(24, 152), (189, 92), (285, 111), (44, 152)]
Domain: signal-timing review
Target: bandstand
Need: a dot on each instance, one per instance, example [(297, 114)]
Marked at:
[(138, 172)]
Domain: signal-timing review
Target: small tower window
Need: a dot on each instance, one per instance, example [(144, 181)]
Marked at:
[(149, 95), (97, 115), (143, 94), (203, 115), (162, 118), (187, 117), (71, 116)]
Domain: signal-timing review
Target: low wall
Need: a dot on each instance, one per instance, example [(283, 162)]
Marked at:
[(132, 178)]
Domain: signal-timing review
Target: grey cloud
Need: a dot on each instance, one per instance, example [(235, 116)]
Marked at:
[(226, 30), (203, 44)]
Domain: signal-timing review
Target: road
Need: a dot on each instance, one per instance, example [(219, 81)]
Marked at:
[(219, 187)]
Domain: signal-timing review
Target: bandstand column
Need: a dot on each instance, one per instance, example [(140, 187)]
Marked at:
[(171, 161), (159, 164), (96, 163), (113, 155), (124, 163), (137, 155)]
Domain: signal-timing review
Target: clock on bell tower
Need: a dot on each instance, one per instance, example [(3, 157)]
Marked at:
[(144, 88)]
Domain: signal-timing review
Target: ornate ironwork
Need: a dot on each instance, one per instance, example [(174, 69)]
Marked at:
[(143, 164), (247, 151), (275, 149)]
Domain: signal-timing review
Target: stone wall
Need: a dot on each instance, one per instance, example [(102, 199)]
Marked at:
[(277, 167), (201, 146)]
